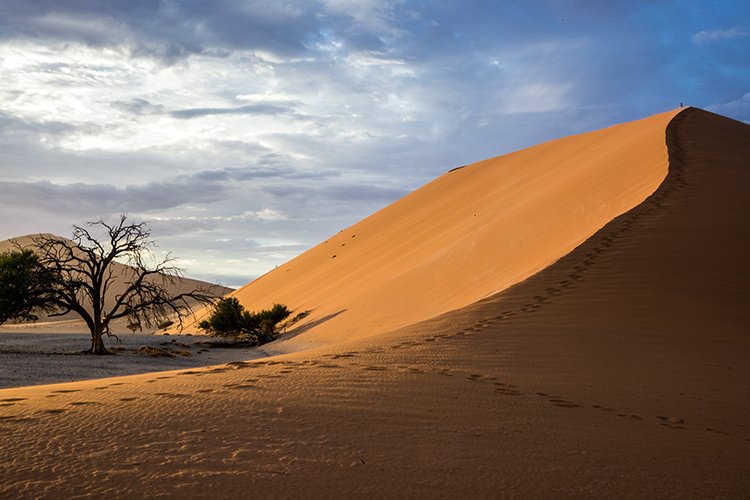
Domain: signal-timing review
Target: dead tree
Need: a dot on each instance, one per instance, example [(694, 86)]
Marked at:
[(102, 279)]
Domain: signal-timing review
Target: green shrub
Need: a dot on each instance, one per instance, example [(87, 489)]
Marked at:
[(27, 287), (229, 319)]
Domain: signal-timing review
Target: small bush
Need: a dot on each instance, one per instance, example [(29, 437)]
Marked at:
[(163, 352), (156, 352), (229, 319)]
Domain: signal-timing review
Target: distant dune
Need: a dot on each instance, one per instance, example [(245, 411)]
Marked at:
[(612, 362), (469, 234), (71, 323)]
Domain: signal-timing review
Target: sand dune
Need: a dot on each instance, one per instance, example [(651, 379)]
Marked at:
[(620, 370), (71, 322), (467, 235)]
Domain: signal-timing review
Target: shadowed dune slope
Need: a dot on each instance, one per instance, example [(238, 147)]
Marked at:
[(639, 338), (470, 233), (620, 371)]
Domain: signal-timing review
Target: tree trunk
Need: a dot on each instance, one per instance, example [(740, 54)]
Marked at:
[(266, 331), (97, 344)]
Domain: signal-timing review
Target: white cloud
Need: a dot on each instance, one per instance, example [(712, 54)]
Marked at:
[(533, 97), (270, 214), (738, 109), (374, 14), (719, 35)]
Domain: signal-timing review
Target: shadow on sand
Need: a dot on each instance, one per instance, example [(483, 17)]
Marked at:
[(308, 326)]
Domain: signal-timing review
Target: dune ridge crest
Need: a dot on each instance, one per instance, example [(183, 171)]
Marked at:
[(468, 234)]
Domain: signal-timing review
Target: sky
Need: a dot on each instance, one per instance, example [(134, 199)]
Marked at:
[(246, 132)]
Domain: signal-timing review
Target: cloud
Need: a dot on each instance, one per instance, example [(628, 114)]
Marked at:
[(93, 200), (290, 120), (89, 29), (250, 109), (270, 214), (703, 37), (255, 173), (138, 106), (201, 187), (739, 109), (169, 31), (339, 201), (535, 98), (266, 214), (17, 126)]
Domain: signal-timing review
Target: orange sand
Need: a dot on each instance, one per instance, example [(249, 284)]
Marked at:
[(618, 371), (470, 233)]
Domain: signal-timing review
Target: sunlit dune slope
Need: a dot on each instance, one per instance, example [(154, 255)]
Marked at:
[(71, 322), (470, 233)]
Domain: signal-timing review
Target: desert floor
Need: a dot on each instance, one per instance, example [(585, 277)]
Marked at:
[(47, 358), (619, 371)]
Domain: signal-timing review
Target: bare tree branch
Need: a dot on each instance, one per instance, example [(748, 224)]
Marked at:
[(90, 268)]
